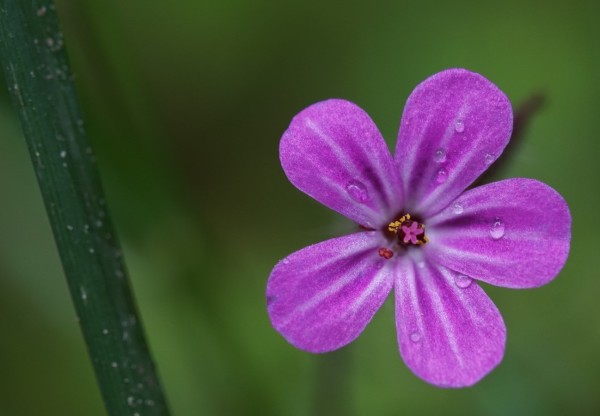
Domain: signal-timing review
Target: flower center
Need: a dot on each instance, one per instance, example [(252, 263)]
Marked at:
[(403, 232), (408, 230)]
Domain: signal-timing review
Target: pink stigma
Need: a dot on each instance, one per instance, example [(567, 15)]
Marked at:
[(411, 232)]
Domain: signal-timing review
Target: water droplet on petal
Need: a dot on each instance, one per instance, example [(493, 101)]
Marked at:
[(421, 264), (497, 229), (441, 176), (440, 155), (415, 337), (357, 191), (459, 126), (463, 281), (457, 208), (489, 158), (285, 261)]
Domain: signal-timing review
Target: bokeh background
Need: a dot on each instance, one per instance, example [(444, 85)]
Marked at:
[(185, 102)]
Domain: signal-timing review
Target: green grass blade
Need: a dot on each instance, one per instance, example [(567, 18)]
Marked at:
[(40, 81)]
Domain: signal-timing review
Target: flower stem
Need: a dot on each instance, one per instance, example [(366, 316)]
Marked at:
[(40, 82), (332, 386)]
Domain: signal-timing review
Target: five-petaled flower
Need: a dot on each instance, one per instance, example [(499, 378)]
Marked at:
[(421, 233)]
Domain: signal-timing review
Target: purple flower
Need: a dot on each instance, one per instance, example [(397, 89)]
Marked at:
[(423, 234)]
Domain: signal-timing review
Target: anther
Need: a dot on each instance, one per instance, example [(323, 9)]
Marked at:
[(408, 230), (386, 253)]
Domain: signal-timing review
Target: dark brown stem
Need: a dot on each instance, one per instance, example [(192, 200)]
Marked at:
[(523, 116)]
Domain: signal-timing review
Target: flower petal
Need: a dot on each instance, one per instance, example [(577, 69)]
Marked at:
[(449, 332), (322, 297), (454, 125), (334, 152), (513, 233)]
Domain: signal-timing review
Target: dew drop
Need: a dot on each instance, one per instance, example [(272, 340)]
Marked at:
[(285, 261), (489, 158), (458, 208), (421, 264), (441, 176), (415, 337), (63, 153), (497, 229), (463, 281), (440, 155), (459, 126), (357, 191)]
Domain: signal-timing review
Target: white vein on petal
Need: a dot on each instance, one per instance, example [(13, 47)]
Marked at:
[(337, 285), (442, 314), (407, 287), (443, 144), (334, 288), (480, 233), (477, 259), (366, 243), (369, 214), (466, 300), (466, 255), (474, 208), (376, 282), (343, 157), (408, 159), (453, 176)]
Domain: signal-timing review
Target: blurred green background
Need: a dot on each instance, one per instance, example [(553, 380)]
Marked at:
[(185, 102)]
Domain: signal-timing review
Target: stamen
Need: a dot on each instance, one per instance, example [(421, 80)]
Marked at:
[(386, 253), (408, 230)]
